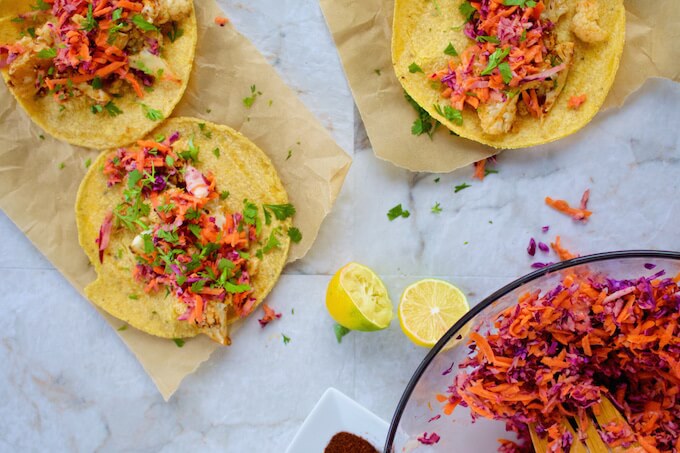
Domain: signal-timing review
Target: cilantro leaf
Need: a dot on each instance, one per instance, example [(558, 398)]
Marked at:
[(413, 68), (254, 93), (488, 172), (89, 23), (112, 109), (224, 195), (273, 242), (495, 59), (491, 39), (460, 187), (122, 328), (340, 332), (216, 152), (133, 178), (286, 339), (206, 132), (236, 289), (451, 114), (41, 5), (179, 342), (424, 124), (450, 50), (520, 3), (467, 10), (506, 72), (48, 53), (436, 209), (142, 24), (280, 211), (294, 234), (151, 113), (174, 33), (396, 212)]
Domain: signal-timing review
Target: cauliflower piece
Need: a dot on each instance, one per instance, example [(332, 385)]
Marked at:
[(555, 9), (584, 23), (497, 117), (160, 12), (96, 95)]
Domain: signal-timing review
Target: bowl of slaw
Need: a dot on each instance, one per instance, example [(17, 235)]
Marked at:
[(421, 423)]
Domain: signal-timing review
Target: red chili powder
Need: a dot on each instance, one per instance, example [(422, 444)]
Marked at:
[(349, 443)]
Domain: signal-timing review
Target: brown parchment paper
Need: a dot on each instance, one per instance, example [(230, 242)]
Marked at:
[(39, 176), (362, 30)]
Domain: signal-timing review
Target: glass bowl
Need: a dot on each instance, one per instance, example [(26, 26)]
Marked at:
[(418, 408)]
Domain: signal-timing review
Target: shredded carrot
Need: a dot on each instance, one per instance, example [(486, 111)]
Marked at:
[(568, 356), (575, 102), (563, 253), (221, 21), (480, 170), (563, 206)]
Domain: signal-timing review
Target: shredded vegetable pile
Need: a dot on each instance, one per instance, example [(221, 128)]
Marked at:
[(515, 56), (185, 242), (558, 354), (93, 47)]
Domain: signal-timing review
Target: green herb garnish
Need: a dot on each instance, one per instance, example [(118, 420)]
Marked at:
[(142, 24), (495, 59), (250, 100), (294, 234), (413, 68), (436, 209), (396, 212), (460, 187), (450, 50)]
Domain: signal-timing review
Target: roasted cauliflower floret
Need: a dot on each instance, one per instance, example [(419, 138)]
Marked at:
[(555, 9), (497, 117), (160, 12), (584, 23)]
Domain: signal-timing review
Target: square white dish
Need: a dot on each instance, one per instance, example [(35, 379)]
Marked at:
[(335, 412)]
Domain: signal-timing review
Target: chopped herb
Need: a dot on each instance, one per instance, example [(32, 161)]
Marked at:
[(236, 289), (117, 14), (523, 37), (492, 39), (467, 10), (294, 234), (506, 72), (273, 242), (61, 166), (169, 161), (216, 152), (451, 114), (286, 339), (280, 211), (425, 124), (437, 179), (191, 153), (488, 172), (450, 50), (97, 83), (142, 24), (133, 178), (41, 137), (179, 342), (17, 20), (88, 162), (495, 59), (122, 328), (112, 109), (460, 187), (48, 53), (436, 209), (152, 114), (340, 332), (396, 212), (195, 229), (174, 33), (413, 68), (250, 100), (224, 195), (96, 108), (377, 71), (290, 154), (520, 3), (89, 23), (204, 131), (41, 5), (31, 31), (133, 296), (148, 243)]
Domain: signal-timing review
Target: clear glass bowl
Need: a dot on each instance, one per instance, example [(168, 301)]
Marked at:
[(418, 405)]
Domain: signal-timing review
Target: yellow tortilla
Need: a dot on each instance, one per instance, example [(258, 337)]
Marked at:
[(77, 124), (242, 169), (421, 32)]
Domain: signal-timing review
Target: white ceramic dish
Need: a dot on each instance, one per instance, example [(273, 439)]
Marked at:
[(336, 412)]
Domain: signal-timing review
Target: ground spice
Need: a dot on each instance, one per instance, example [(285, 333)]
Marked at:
[(349, 443)]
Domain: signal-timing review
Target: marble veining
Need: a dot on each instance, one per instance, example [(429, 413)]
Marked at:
[(70, 385)]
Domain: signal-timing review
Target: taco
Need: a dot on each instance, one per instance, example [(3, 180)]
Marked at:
[(509, 73), (188, 229), (98, 73)]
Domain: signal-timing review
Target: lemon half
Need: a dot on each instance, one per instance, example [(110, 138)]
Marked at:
[(428, 309), (358, 300)]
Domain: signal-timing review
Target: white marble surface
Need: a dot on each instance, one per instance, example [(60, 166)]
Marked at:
[(69, 384)]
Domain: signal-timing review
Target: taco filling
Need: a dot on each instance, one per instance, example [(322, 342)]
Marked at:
[(185, 241), (96, 49), (516, 64)]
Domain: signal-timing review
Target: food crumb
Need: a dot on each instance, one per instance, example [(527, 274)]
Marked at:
[(221, 21)]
